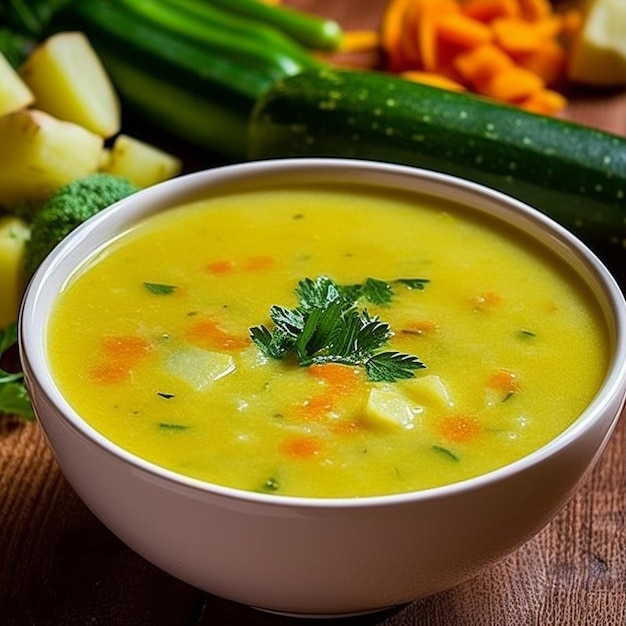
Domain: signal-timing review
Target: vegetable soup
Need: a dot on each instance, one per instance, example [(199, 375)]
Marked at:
[(330, 342)]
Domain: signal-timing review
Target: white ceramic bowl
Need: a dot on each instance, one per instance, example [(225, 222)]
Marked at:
[(317, 556)]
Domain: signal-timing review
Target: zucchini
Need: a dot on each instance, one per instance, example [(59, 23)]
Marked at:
[(183, 70), (575, 174)]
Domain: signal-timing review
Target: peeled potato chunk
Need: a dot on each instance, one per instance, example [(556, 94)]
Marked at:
[(140, 162), (14, 93), (13, 235), (39, 153), (69, 82)]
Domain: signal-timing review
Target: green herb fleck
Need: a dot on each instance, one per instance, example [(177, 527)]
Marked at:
[(160, 289), (327, 327), (271, 484), (165, 395), (527, 334), (169, 426), (445, 452)]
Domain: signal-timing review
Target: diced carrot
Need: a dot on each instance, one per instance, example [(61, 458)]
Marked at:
[(359, 41), (488, 10), (547, 61), (544, 102), (512, 85), (534, 10), (222, 266), (481, 63), (346, 427), (317, 408), (209, 334), (505, 380), (341, 378), (486, 301), (260, 262), (302, 447), (126, 349), (462, 30), (459, 428)]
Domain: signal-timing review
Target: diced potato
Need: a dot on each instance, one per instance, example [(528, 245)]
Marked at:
[(69, 82), (14, 93), (387, 406), (198, 367), (39, 153), (13, 236), (598, 54), (140, 162), (428, 391)]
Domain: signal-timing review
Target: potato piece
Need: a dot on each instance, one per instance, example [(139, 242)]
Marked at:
[(14, 93), (199, 368), (598, 54), (429, 391), (13, 235), (140, 162), (70, 82), (386, 406), (39, 153)]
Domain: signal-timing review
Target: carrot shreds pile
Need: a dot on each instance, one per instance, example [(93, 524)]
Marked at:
[(513, 51)]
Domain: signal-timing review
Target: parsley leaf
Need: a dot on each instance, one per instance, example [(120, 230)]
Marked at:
[(328, 327), (160, 289), (14, 399)]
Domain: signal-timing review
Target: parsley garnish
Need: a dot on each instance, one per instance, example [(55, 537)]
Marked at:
[(14, 399), (160, 289), (327, 327)]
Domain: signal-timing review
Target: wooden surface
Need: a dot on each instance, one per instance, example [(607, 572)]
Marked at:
[(60, 566)]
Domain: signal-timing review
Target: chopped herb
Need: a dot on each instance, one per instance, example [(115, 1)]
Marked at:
[(327, 327), (163, 394), (160, 289), (168, 426), (271, 484), (527, 334), (413, 283), (508, 396), (445, 452), (14, 399)]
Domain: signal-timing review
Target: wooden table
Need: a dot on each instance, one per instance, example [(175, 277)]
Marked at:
[(60, 566)]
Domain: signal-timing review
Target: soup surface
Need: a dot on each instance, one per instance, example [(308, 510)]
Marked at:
[(151, 343)]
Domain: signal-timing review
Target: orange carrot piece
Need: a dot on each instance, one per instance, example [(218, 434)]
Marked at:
[(317, 408), (359, 41), (534, 10), (392, 26), (489, 299), (221, 266), (341, 378), (544, 102), (481, 63), (488, 10), (517, 36), (548, 61), (505, 380), (462, 30), (459, 428), (109, 372), (209, 334), (511, 85), (302, 447), (346, 428), (432, 79)]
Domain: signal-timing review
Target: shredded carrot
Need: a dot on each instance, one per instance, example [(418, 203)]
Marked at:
[(301, 447), (506, 50), (209, 334), (544, 102), (459, 428), (359, 41)]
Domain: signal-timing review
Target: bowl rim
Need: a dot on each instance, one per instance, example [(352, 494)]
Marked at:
[(176, 191)]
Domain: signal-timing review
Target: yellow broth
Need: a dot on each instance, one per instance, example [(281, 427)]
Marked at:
[(150, 343)]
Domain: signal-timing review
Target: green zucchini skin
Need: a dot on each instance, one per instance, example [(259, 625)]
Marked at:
[(574, 174)]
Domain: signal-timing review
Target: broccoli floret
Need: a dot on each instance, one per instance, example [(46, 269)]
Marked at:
[(68, 207)]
